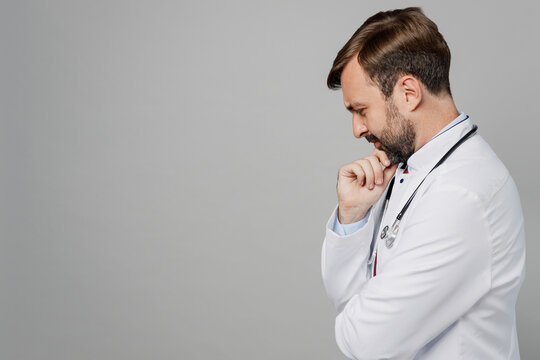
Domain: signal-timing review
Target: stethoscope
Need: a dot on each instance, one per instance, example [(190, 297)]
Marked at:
[(390, 233)]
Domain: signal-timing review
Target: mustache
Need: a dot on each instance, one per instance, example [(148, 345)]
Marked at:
[(371, 138)]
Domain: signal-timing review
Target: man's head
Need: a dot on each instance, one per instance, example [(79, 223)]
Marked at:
[(393, 63)]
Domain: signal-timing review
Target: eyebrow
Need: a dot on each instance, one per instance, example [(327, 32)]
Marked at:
[(355, 104)]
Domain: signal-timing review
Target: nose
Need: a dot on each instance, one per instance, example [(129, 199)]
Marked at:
[(359, 127)]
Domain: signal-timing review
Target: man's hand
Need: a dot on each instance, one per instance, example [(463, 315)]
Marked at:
[(360, 184)]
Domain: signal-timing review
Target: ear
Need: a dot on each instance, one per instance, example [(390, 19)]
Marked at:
[(409, 92)]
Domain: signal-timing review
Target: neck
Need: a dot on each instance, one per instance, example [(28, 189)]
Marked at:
[(433, 119)]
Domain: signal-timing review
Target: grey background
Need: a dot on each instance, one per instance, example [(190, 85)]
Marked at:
[(168, 169)]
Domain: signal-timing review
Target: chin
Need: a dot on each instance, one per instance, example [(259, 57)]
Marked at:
[(394, 159)]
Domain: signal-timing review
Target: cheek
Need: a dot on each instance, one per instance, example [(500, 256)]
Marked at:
[(376, 122)]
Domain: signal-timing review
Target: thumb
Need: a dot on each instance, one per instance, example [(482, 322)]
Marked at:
[(388, 172)]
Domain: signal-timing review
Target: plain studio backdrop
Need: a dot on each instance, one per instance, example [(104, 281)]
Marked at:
[(167, 169)]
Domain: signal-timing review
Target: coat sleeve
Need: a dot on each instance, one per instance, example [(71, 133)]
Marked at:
[(344, 259), (346, 229), (441, 269)]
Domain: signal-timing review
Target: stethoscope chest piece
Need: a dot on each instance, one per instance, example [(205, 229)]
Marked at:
[(390, 236), (384, 231)]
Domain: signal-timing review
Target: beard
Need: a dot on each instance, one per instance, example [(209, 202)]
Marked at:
[(398, 137)]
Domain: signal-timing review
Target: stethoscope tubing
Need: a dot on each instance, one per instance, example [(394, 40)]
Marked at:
[(395, 225)]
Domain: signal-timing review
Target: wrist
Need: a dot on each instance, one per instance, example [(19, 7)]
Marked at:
[(350, 215)]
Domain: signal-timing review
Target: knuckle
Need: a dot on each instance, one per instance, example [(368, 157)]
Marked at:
[(360, 161)]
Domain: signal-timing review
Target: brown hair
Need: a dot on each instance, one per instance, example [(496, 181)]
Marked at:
[(394, 43)]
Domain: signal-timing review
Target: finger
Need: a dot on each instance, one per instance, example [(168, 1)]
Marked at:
[(388, 173), (377, 169), (368, 171), (353, 171), (381, 155)]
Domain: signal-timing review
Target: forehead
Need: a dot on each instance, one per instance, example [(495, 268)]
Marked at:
[(356, 85)]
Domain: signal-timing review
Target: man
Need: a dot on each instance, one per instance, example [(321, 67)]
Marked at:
[(441, 281)]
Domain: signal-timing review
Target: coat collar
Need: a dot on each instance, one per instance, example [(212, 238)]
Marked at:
[(421, 162), (431, 152)]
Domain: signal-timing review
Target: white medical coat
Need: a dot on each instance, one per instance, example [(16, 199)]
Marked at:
[(447, 287)]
